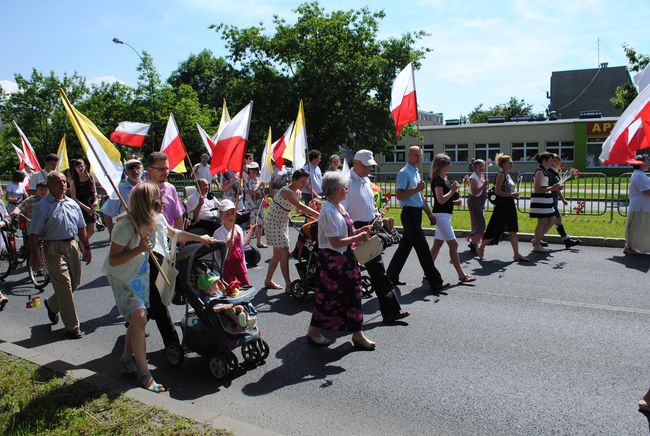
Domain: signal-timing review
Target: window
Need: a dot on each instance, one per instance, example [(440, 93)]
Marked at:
[(429, 154), (395, 155), (594, 148), (456, 152), (485, 151), (564, 149), (523, 151)]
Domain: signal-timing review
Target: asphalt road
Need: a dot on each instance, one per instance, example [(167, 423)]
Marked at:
[(557, 346)]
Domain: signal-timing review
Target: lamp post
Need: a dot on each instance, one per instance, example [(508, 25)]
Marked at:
[(151, 91)]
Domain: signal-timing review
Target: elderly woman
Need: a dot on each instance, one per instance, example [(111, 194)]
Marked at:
[(277, 226), (637, 230), (337, 305)]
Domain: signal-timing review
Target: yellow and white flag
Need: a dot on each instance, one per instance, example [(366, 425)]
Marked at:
[(225, 119), (267, 165), (297, 147), (62, 153), (104, 158)]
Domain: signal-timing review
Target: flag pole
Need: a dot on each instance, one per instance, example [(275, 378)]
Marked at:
[(117, 191)]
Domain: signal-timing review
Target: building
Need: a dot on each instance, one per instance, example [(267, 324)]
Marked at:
[(578, 141), (576, 91), (430, 118)]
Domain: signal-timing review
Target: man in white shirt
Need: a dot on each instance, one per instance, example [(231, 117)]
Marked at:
[(202, 210), (202, 169), (41, 176), (313, 188), (360, 205)]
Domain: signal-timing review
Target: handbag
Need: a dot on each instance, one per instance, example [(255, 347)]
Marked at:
[(369, 250), (168, 266), (493, 198)]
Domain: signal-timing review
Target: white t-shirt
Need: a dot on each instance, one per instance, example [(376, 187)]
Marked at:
[(202, 172), (36, 178), (360, 201), (331, 224), (639, 182), (479, 183), (125, 235), (223, 234), (205, 213)]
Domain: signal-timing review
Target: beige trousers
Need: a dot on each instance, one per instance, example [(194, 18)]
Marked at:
[(63, 262)]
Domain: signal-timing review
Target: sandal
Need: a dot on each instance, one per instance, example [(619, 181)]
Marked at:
[(150, 384), (271, 285), (129, 368), (480, 251), (644, 406), (467, 278), (262, 245), (520, 258), (3, 302), (630, 252), (321, 341)]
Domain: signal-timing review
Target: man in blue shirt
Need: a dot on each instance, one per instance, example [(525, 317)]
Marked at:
[(409, 187), (313, 188), (56, 220)]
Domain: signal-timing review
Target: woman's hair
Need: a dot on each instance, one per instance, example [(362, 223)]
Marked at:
[(335, 157), (502, 159), (18, 177), (144, 203), (332, 182), (642, 158), (474, 163), (75, 175), (439, 161), (543, 156), (299, 174)]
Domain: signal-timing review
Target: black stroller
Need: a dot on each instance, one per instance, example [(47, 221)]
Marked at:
[(205, 331)]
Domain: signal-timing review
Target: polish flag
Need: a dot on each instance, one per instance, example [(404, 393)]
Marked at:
[(403, 103), (631, 132), (21, 157), (228, 152), (30, 157), (172, 144), (207, 141), (280, 146), (130, 133)]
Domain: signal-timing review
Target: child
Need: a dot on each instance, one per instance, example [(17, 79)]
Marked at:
[(213, 288), (254, 189), (235, 266)]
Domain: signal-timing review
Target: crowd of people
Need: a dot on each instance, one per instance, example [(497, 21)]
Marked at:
[(62, 213)]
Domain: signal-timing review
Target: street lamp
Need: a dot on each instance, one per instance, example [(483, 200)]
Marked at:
[(151, 90)]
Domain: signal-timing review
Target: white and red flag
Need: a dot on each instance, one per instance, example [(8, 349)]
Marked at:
[(21, 157), (207, 141), (403, 102), (280, 146), (631, 132), (228, 152), (130, 133), (30, 156), (173, 147)]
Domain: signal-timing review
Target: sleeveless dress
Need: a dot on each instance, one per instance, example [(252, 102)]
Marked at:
[(541, 204), (337, 302), (476, 207), (277, 220), (234, 267), (504, 216), (85, 195)]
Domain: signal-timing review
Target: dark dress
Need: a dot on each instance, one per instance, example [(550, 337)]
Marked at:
[(86, 195), (553, 178), (337, 303), (504, 216)]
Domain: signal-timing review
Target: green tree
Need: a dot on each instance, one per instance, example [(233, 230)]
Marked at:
[(512, 108), (334, 61), (624, 94)]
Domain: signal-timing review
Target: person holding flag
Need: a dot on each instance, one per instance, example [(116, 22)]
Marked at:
[(51, 161), (16, 190)]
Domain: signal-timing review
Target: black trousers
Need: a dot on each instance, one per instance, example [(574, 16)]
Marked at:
[(413, 237), (157, 310), (383, 287)]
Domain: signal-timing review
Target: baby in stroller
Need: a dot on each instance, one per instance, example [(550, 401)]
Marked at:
[(213, 288)]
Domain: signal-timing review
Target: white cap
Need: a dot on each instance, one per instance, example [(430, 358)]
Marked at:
[(365, 157), (226, 205), (132, 162), (253, 166)]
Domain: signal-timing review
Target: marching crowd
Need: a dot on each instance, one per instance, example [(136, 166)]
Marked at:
[(61, 213)]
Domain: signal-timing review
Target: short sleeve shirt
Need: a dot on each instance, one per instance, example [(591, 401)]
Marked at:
[(172, 206), (206, 212), (113, 206), (331, 224), (55, 220), (36, 178), (125, 235), (360, 201), (448, 206), (315, 179), (639, 182), (408, 178), (223, 234)]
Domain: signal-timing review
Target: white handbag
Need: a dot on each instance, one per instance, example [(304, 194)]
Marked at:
[(367, 251), (168, 266)]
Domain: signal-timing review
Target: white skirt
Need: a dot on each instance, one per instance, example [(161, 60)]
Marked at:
[(444, 231), (637, 231)]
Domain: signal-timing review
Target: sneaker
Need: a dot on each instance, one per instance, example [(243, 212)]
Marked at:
[(572, 242)]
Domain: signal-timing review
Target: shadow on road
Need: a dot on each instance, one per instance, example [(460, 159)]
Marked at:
[(99, 282), (640, 263), (271, 300)]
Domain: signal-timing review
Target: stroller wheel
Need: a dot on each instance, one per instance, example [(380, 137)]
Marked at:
[(233, 363), (218, 367), (298, 289), (251, 353), (366, 286), (263, 348), (174, 353)]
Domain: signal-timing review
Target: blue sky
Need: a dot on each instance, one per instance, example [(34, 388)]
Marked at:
[(484, 52)]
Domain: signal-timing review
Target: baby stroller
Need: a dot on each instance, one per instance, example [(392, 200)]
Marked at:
[(205, 331), (305, 253)]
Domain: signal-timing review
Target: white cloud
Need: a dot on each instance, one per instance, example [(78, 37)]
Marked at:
[(8, 86), (102, 79)]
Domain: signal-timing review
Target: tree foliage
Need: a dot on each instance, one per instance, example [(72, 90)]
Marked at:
[(624, 94), (512, 108)]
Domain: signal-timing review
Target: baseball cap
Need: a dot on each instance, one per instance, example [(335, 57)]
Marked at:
[(130, 162), (205, 281), (253, 166), (365, 157), (226, 205)]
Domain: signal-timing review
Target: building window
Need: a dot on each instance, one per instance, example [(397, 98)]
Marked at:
[(564, 149), (457, 152), (486, 151), (523, 151), (395, 154), (428, 154)]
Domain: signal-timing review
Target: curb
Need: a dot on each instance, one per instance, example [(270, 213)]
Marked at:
[(177, 407)]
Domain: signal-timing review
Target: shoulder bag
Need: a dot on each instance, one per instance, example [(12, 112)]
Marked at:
[(168, 266)]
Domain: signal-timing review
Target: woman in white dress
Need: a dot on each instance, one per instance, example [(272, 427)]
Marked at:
[(637, 230)]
